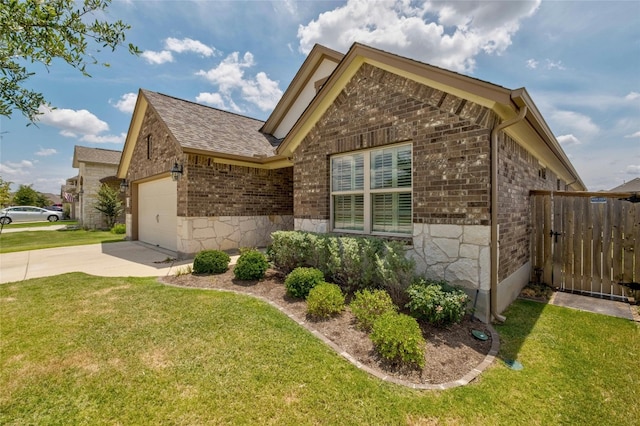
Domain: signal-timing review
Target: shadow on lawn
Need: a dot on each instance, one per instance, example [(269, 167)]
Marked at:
[(522, 317)]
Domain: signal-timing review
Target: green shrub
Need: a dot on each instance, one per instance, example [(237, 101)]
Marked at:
[(251, 265), (437, 302), (398, 338), (367, 306), (353, 263), (325, 300), (119, 228), (301, 280), (211, 262)]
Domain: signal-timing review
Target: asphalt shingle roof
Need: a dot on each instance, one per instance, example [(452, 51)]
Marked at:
[(95, 155), (632, 186), (204, 128)]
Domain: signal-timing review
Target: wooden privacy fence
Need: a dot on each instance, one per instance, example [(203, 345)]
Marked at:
[(586, 242)]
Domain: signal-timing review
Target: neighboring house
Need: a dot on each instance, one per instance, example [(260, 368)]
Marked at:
[(93, 164), (375, 144), (70, 197), (632, 186)]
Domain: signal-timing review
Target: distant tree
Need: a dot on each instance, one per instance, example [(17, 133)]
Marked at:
[(27, 196), (5, 192), (34, 31), (108, 203)]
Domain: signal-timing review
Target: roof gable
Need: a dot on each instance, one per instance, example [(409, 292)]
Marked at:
[(532, 132), (201, 129)]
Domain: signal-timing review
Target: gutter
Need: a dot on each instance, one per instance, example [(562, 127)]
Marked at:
[(494, 210)]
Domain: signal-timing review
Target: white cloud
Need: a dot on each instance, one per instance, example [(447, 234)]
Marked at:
[(554, 65), (104, 138), (80, 124), (633, 135), (633, 169), (262, 92), (73, 122), (127, 102), (213, 99), (532, 63), (229, 76), (177, 46), (578, 123), (447, 34), (568, 140), (157, 58), (632, 96), (45, 152), (11, 170), (188, 45)]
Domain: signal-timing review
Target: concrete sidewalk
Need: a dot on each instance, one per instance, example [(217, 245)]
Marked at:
[(121, 259), (7, 229), (593, 304)]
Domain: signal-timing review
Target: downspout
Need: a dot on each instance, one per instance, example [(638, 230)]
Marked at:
[(494, 210)]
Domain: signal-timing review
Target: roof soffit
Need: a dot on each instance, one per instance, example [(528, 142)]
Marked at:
[(316, 57)]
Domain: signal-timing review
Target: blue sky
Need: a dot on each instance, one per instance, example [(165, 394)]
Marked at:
[(580, 61)]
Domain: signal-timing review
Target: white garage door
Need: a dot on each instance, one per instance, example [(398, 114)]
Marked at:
[(158, 213)]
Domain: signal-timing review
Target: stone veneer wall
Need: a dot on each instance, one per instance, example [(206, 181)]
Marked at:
[(228, 232), (91, 173)]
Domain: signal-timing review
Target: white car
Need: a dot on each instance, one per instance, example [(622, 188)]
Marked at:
[(28, 214)]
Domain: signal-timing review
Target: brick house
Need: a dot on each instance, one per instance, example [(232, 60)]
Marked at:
[(94, 165), (378, 144)]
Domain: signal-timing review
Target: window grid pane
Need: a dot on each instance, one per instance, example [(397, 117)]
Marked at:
[(391, 168), (391, 212), (348, 212), (348, 173)]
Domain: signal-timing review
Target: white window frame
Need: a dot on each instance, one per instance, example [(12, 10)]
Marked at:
[(367, 192)]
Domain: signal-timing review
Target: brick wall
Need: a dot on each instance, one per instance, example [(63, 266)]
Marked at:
[(164, 151), (450, 137), (518, 173), (225, 190)]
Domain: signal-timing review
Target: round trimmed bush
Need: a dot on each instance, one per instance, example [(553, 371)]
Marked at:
[(325, 300), (398, 338), (368, 305), (211, 262), (251, 265), (301, 280)]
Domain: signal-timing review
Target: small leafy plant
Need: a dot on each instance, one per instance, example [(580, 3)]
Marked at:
[(368, 305), (301, 280), (437, 302), (211, 262), (251, 265), (119, 228), (398, 338), (325, 300)]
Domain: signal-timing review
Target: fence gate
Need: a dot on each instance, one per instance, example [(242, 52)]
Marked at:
[(586, 242)]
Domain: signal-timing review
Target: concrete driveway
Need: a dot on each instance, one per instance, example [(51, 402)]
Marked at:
[(121, 259)]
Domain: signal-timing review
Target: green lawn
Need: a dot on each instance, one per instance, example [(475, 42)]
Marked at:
[(34, 240), (77, 349)]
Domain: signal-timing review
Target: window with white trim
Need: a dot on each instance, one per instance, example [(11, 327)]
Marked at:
[(371, 191)]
